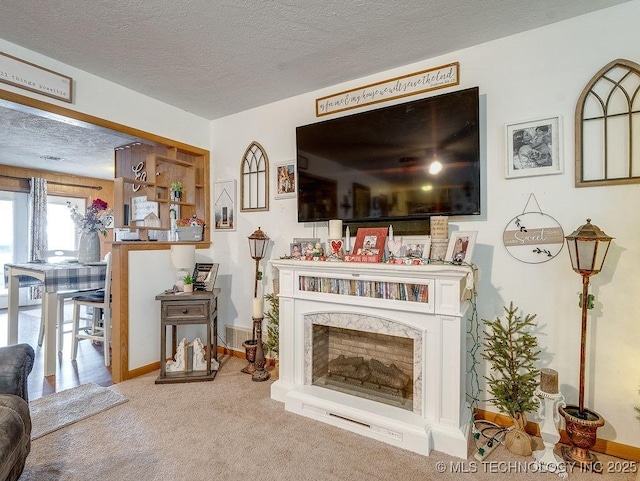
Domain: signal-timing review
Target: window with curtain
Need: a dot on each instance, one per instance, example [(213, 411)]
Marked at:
[(14, 208)]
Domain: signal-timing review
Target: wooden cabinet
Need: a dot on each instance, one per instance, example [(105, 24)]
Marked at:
[(144, 174)]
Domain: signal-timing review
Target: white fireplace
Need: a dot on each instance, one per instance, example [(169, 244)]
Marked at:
[(409, 321)]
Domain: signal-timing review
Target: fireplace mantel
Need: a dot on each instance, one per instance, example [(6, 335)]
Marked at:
[(427, 302)]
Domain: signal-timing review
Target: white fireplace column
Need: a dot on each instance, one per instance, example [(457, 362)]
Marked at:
[(426, 303)]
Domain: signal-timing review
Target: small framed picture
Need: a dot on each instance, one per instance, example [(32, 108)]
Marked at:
[(417, 247), (370, 241), (285, 179), (460, 248), (204, 276), (296, 251), (533, 148), (224, 205), (307, 245)]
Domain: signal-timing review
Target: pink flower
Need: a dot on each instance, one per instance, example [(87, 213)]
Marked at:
[(95, 218)]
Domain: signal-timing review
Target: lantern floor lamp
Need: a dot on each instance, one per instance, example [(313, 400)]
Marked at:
[(588, 247), (258, 242)]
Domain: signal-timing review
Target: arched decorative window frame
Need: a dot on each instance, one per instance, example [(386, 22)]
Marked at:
[(633, 69), (261, 177)]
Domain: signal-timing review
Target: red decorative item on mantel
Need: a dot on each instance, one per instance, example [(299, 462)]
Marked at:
[(370, 242), (360, 258)]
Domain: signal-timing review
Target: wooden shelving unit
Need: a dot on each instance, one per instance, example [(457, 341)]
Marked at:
[(148, 171)]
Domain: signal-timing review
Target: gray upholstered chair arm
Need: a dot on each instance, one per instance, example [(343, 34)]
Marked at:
[(16, 363)]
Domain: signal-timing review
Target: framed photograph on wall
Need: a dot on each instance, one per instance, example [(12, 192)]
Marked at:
[(370, 241), (286, 179), (533, 148), (224, 202), (460, 248)]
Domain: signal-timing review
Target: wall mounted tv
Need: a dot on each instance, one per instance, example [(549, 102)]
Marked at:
[(374, 166)]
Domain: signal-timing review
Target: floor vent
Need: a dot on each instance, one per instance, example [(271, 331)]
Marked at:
[(235, 336)]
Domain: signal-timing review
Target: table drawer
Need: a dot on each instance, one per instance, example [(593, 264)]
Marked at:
[(186, 310)]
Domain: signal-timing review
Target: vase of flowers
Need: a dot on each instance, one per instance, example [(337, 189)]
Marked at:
[(94, 221)]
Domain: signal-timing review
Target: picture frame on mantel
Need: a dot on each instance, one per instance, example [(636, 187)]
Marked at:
[(533, 148), (460, 247), (417, 247), (370, 241)]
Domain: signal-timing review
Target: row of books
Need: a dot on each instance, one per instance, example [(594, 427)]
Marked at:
[(362, 288)]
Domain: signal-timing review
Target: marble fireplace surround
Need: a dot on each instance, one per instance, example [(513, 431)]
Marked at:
[(441, 418)]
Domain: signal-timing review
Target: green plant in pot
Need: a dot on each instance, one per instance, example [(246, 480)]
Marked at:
[(188, 283), (273, 324), (512, 352), (176, 191)]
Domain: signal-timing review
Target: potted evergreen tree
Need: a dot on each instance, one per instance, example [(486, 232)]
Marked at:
[(513, 352), (273, 328)]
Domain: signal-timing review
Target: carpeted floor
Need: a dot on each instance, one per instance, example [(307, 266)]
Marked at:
[(230, 429)]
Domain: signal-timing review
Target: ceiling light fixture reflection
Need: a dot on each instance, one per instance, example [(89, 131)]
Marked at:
[(435, 167)]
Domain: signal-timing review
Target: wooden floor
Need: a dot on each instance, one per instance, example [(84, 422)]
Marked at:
[(88, 367)]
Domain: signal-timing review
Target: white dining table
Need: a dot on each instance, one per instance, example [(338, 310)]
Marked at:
[(54, 277)]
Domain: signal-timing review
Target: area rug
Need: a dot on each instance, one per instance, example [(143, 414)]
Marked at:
[(63, 408)]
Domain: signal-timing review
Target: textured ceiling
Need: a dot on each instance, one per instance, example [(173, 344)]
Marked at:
[(69, 147), (218, 57)]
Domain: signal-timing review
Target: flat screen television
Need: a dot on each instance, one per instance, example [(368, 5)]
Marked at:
[(381, 166)]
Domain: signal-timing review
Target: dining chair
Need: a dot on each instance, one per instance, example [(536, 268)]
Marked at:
[(60, 255), (99, 326)]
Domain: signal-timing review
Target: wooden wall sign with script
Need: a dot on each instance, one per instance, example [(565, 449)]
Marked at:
[(412, 84), (29, 76), (533, 237)]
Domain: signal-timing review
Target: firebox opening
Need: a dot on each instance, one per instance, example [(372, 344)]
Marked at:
[(372, 366)]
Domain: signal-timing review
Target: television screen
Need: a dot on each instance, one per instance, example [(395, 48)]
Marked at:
[(406, 161)]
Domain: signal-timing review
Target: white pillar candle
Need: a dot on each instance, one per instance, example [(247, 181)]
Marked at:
[(335, 229), (257, 307), (390, 232), (347, 241)]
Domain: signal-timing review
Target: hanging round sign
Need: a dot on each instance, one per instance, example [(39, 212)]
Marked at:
[(533, 237)]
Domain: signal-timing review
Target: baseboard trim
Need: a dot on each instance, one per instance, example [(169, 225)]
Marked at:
[(143, 370), (156, 365), (603, 446)]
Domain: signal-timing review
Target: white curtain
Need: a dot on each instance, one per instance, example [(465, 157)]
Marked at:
[(37, 224)]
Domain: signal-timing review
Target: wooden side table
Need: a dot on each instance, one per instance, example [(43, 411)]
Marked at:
[(199, 307)]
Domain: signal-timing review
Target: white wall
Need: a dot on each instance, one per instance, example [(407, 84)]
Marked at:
[(532, 75), (107, 100)]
